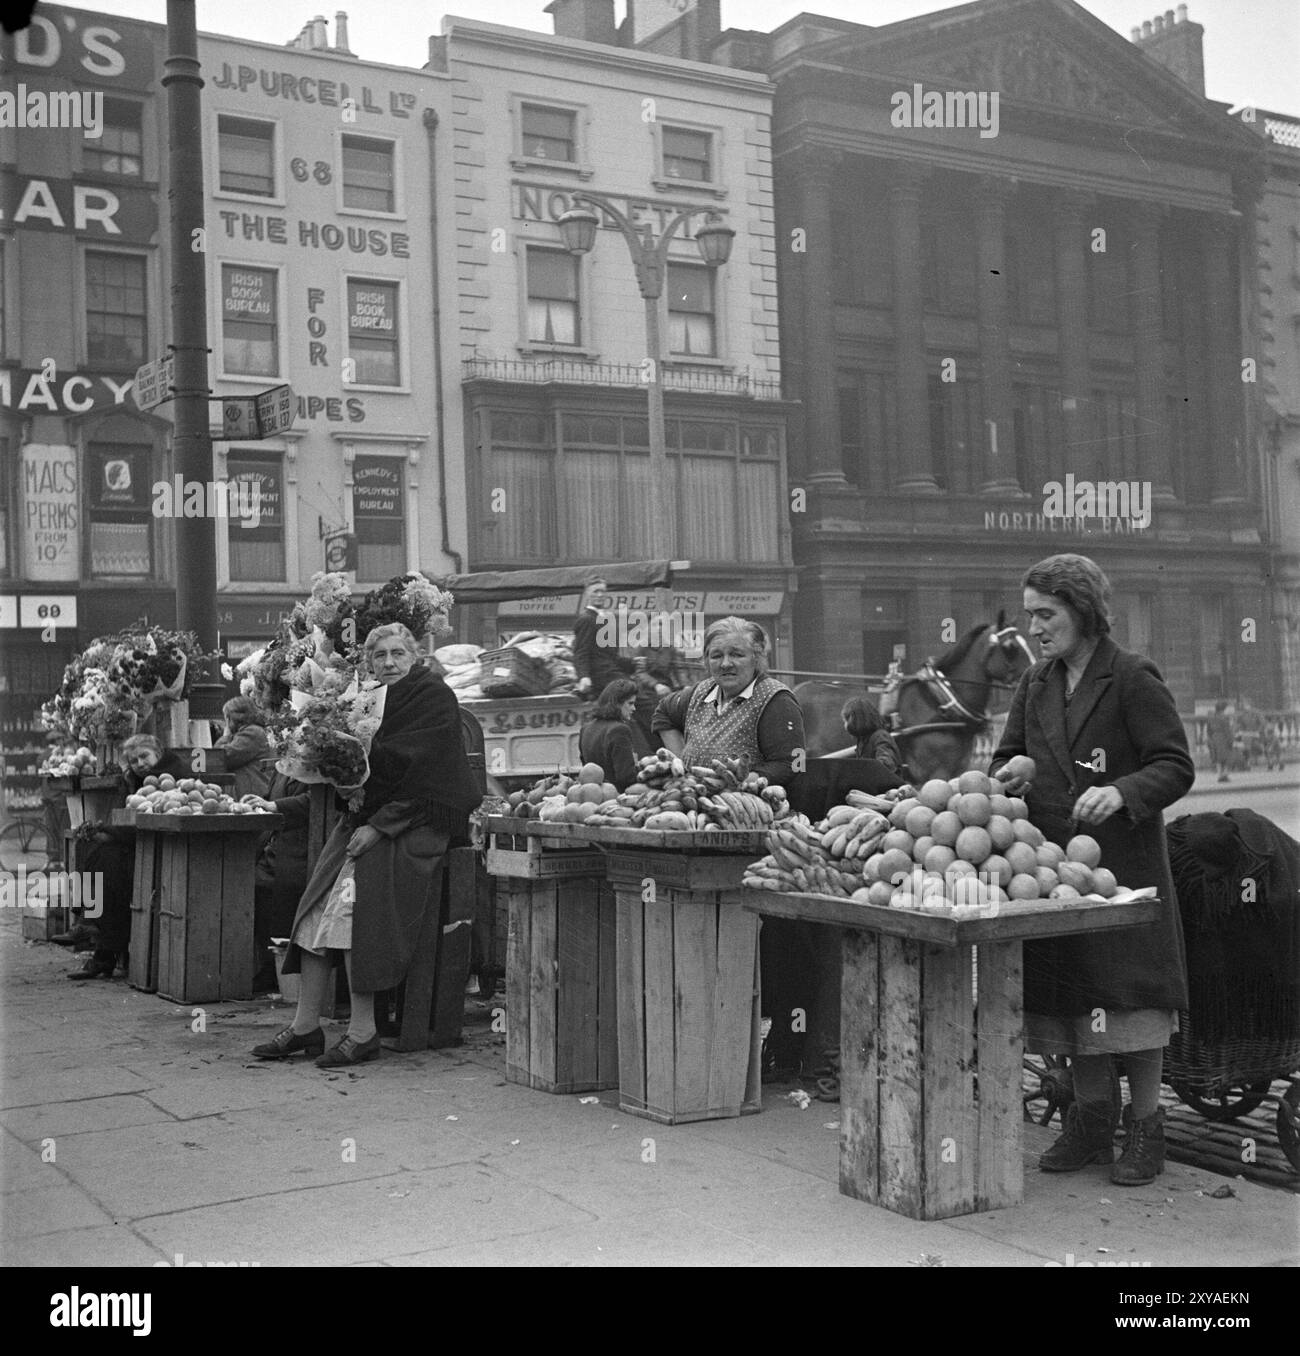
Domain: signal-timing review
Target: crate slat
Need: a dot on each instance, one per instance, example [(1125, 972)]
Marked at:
[(999, 1026)]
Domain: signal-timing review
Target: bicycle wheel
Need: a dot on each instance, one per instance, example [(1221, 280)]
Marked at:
[(22, 846)]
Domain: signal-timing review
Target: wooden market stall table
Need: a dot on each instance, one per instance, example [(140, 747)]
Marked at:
[(652, 942), (192, 903), (930, 1080)]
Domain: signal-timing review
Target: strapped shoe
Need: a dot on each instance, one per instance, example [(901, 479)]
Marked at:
[(350, 1051), (287, 1042), (1143, 1157)]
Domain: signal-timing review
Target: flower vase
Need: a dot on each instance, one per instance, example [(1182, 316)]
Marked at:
[(172, 723)]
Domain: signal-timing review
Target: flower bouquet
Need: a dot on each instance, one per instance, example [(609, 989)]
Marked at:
[(327, 733), (411, 599)]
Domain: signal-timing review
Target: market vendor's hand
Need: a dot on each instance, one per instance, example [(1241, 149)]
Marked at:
[(258, 802), (363, 840), (1097, 804), (1011, 783)]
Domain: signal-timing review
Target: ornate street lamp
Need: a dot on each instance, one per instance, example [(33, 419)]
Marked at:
[(578, 228)]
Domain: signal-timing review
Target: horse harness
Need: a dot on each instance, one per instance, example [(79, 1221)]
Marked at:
[(944, 696)]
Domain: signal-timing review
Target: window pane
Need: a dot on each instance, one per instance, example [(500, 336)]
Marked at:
[(378, 513), (591, 495), (528, 478), (373, 333), (708, 506), (115, 308), (690, 311), (245, 152), (256, 552), (553, 297), (686, 154), (759, 501), (548, 133), (368, 180), (249, 332), (119, 148)]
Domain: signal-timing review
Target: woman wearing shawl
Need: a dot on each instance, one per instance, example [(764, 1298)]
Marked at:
[(380, 869)]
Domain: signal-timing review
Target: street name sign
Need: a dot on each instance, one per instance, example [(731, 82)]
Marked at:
[(154, 382)]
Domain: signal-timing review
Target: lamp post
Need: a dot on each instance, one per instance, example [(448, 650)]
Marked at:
[(578, 228)]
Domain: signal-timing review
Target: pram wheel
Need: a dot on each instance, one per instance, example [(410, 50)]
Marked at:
[(1225, 1105)]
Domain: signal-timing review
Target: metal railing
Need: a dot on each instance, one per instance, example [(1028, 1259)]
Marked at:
[(541, 371)]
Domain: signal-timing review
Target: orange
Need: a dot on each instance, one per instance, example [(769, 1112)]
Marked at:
[(972, 782), (1023, 858), (973, 845), (939, 858), (1077, 875), (945, 827), (897, 840), (1103, 882), (210, 806), (1064, 892), (974, 808), (1019, 808), (996, 868), (898, 815), (1027, 833), (1023, 886), (1000, 804), (1001, 832), (1084, 849), (1047, 880), (921, 847), (892, 862), (969, 890), (918, 821), (880, 892), (934, 794), (1050, 854)]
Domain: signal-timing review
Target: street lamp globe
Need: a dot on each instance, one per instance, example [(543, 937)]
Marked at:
[(578, 229), (714, 241)]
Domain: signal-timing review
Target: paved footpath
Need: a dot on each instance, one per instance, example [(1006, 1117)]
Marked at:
[(129, 1138)]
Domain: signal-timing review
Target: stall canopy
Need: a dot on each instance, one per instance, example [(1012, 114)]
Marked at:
[(494, 586)]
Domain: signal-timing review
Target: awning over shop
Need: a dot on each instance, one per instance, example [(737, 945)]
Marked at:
[(502, 586)]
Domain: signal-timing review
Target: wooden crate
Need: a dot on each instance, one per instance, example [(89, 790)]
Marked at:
[(192, 905), (41, 923), (561, 983), (689, 1041), (530, 859)]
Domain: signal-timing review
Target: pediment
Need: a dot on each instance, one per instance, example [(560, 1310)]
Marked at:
[(1041, 54)]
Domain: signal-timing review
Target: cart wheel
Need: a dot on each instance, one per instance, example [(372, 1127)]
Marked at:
[(1228, 1104), (1055, 1086), (1288, 1124)]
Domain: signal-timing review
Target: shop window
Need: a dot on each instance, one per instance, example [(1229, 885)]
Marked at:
[(116, 315), (246, 157), (373, 336), (369, 176), (549, 133), (688, 154), (692, 324), (554, 315), (249, 322), (379, 516), (119, 149), (119, 527), (257, 542)]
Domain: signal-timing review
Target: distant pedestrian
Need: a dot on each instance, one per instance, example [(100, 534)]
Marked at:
[(864, 722), (1220, 733)]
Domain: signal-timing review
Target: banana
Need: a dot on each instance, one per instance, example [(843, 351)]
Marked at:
[(841, 814)]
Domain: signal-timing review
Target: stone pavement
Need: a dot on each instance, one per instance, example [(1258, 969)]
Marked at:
[(168, 1141)]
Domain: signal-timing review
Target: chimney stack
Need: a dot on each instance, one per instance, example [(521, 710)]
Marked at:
[(320, 38), (590, 20), (341, 32), (1175, 43)]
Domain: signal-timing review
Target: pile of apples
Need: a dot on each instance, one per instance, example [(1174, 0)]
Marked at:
[(564, 799), (190, 796), (962, 845), (65, 764)]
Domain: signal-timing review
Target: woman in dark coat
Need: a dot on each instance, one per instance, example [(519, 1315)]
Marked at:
[(610, 738), (1110, 754), (418, 794)]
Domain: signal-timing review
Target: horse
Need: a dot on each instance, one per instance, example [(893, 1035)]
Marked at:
[(941, 707)]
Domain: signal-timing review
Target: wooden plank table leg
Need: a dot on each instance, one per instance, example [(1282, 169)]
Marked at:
[(607, 990), (577, 983), (541, 974), (950, 1142), (631, 1000), (515, 896), (999, 1054), (660, 1045), (731, 1052), (859, 1067), (696, 996), (753, 1102), (902, 1173), (236, 913), (143, 916)]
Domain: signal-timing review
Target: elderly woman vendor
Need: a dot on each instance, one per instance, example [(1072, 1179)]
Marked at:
[(739, 710), (379, 871)]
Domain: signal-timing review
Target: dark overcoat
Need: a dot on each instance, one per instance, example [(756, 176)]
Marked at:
[(399, 877), (1121, 729)]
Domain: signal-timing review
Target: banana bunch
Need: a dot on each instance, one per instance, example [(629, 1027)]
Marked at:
[(850, 833), (800, 861), (859, 800), (741, 809)]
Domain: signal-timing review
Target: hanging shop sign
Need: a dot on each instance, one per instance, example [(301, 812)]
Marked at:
[(47, 390), (743, 604), (118, 213)]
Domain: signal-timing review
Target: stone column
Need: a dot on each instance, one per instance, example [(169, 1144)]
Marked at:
[(1149, 351), (1222, 330), (915, 472), (994, 336), (814, 176), (1070, 223)]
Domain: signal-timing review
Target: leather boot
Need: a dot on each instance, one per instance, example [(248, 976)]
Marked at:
[(1089, 1137), (1143, 1156)]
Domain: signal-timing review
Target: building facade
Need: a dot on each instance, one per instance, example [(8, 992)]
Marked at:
[(1012, 256), (553, 346), (83, 286)]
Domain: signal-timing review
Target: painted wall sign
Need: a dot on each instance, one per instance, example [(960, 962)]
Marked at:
[(49, 391), (307, 89), (248, 293), (260, 483), (545, 202), (372, 309), (39, 610), (74, 45), (316, 235), (557, 605), (743, 604), (50, 516), (377, 487), (118, 213)]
